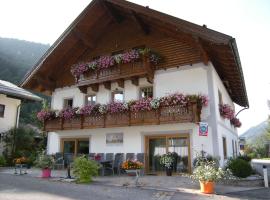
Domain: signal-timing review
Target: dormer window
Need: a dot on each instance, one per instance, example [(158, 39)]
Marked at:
[(68, 103), (118, 96), (90, 100), (146, 92)]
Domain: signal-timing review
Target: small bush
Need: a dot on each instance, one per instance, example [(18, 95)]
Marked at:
[(85, 169), (245, 157), (239, 167), (2, 161)]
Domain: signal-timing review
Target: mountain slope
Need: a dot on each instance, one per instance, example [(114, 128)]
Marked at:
[(16, 58)]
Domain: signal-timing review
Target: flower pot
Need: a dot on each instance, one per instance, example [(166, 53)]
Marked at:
[(169, 171), (207, 187), (46, 173)]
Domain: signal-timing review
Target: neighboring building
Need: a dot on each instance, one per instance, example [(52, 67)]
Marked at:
[(11, 97), (195, 60)]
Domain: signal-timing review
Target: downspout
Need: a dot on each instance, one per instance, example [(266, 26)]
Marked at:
[(17, 116)]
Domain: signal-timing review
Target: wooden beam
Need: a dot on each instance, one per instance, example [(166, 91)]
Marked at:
[(83, 89), (95, 87), (107, 85), (121, 83), (135, 81), (116, 17), (203, 54), (141, 24), (84, 38)]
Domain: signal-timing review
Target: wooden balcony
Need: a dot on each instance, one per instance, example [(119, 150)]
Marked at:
[(164, 115), (140, 68)]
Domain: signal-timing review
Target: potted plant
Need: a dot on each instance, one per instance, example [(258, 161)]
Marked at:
[(130, 165), (167, 160), (207, 173), (45, 162)]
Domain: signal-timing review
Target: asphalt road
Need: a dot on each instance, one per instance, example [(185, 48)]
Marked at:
[(28, 188)]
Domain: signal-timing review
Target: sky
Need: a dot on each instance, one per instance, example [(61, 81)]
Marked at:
[(248, 21)]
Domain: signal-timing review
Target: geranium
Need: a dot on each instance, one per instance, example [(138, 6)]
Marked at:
[(236, 122), (226, 111), (132, 164), (68, 113), (86, 110), (117, 107), (105, 61), (141, 105), (78, 70), (174, 99), (130, 56), (44, 115)]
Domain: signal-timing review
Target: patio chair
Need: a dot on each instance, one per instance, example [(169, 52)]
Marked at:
[(130, 156), (100, 155), (91, 156), (140, 158), (59, 161), (109, 163), (118, 160)]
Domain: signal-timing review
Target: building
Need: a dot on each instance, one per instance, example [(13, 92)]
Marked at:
[(184, 57), (11, 97)]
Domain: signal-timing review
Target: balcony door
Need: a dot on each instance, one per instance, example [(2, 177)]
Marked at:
[(76, 146), (156, 146)]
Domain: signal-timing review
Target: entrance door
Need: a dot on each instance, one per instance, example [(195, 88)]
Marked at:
[(156, 146), (74, 146)]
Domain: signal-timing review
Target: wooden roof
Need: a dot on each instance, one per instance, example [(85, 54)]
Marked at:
[(91, 25)]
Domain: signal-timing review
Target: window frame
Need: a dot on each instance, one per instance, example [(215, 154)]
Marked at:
[(224, 145), (220, 97), (113, 93), (2, 114), (86, 99), (141, 92), (67, 99)]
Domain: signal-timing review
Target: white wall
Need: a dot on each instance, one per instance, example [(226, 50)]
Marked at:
[(133, 138), (9, 119)]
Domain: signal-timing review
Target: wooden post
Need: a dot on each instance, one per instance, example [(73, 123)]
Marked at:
[(62, 123), (82, 121)]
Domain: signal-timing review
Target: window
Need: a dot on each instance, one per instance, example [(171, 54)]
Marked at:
[(118, 96), (146, 92), (68, 103), (90, 100), (224, 147), (2, 110), (220, 100), (75, 146)]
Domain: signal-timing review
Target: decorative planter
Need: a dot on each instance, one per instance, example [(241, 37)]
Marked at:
[(207, 187), (46, 173), (169, 171)]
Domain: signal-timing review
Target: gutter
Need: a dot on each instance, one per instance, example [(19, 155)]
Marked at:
[(17, 115)]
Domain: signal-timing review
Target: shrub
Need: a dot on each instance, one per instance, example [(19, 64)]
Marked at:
[(239, 167), (245, 157), (85, 169), (201, 158), (44, 161), (2, 161)]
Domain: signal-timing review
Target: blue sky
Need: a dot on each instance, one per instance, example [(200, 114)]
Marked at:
[(246, 20)]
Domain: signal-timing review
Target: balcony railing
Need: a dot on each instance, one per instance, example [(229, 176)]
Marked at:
[(140, 68), (163, 115)]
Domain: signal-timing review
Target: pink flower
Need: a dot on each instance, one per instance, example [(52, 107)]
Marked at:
[(117, 107), (68, 113), (105, 62), (79, 70), (44, 115), (130, 56), (236, 122), (226, 111), (141, 105)]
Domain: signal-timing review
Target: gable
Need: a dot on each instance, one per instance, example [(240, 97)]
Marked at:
[(106, 26)]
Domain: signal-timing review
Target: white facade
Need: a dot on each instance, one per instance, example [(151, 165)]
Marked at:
[(9, 120), (195, 79)]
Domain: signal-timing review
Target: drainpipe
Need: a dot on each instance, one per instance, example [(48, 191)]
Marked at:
[(17, 116)]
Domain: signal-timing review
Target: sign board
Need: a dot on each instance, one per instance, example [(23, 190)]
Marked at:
[(203, 129)]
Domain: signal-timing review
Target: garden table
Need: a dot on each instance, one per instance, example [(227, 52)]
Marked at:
[(137, 172), (21, 167)]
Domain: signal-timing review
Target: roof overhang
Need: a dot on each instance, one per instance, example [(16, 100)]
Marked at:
[(221, 48)]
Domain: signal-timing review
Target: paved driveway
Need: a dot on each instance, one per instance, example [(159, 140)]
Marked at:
[(28, 188)]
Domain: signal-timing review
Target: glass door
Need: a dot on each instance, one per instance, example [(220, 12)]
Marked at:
[(76, 146), (156, 146), (179, 148)]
